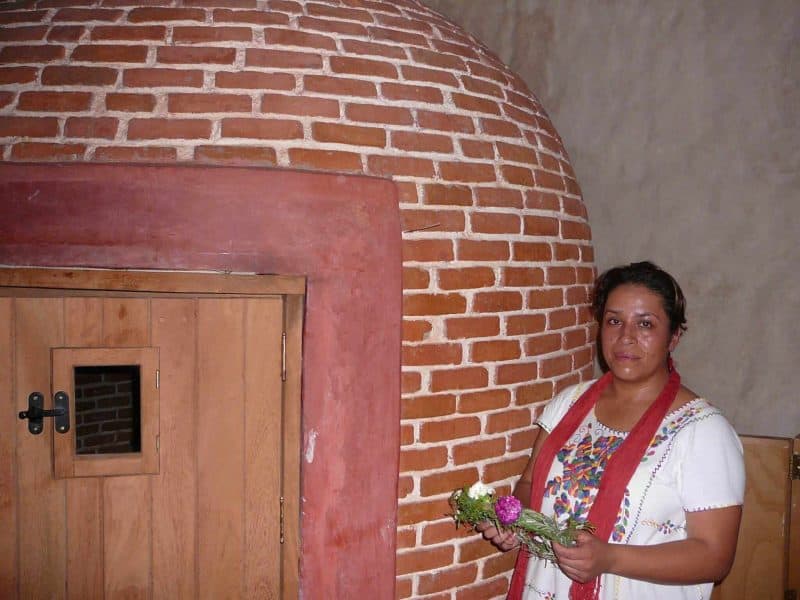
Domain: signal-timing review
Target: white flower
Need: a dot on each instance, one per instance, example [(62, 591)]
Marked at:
[(478, 490)]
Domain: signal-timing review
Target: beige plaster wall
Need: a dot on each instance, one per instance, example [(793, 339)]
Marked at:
[(681, 119)]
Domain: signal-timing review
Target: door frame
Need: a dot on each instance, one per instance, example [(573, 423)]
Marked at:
[(43, 282)]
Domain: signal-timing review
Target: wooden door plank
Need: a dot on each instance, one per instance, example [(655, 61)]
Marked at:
[(174, 498), (128, 516), (9, 428), (83, 326), (794, 533), (263, 417), (42, 531), (220, 451), (127, 537)]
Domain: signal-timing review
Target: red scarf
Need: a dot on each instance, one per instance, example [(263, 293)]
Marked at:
[(614, 480)]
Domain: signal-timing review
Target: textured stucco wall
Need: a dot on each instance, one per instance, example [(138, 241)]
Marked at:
[(682, 123)]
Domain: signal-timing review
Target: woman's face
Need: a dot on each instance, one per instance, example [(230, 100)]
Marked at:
[(635, 335)]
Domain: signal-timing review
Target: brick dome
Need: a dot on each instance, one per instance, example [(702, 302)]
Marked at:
[(497, 253)]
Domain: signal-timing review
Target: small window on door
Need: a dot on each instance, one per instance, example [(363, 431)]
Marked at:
[(113, 411)]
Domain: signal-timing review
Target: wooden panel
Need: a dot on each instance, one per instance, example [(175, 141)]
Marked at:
[(42, 535), (174, 499), (126, 322), (263, 400), (220, 450), (83, 326), (10, 426), (794, 534), (127, 537), (759, 570)]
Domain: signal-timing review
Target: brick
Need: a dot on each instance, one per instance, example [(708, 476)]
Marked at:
[(433, 220), (287, 37), (365, 67), (54, 101), (469, 327), (517, 175), (326, 160), (22, 16), (499, 128), (421, 142), (282, 59), (263, 129), (445, 122), (478, 69), (6, 98), (522, 277), (495, 350), (10, 75), (478, 451), (208, 103), (177, 55), (339, 86), (517, 153), (550, 181), (573, 339), (130, 102), (400, 166), (162, 78), (517, 115), (237, 154), (410, 382), (436, 533), (446, 579), (433, 304), (484, 401), (339, 12), (552, 367), (586, 275), (561, 319), (516, 373), (423, 459), (567, 252), (446, 482), (136, 153), (415, 331), (478, 250), (31, 54), (65, 33), (426, 407), (561, 275), (449, 429), (404, 22), (572, 230), (332, 26), (116, 53), (406, 538), (216, 34), (437, 59), (373, 113), (542, 344), (532, 251), (504, 469), (414, 278), (459, 379), (33, 33), (393, 35), (574, 207), (536, 225), (475, 549), (419, 512), (467, 172), (154, 33), (416, 561), (160, 14), (37, 127), (457, 195), (403, 586), (427, 250), (582, 358), (549, 298), (69, 75), (299, 105), (525, 324), (501, 563), (431, 354), (475, 104), (152, 129), (255, 81), (405, 486), (498, 197), (412, 93), (480, 86), (477, 149), (91, 127), (466, 278), (500, 223), (288, 6), (43, 151), (496, 301), (522, 440), (412, 73), (349, 134), (494, 588), (372, 49), (254, 17), (501, 422), (572, 379)]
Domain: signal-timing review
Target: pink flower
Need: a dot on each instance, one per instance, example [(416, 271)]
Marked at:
[(507, 509)]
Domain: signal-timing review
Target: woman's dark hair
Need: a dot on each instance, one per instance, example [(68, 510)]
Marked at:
[(650, 276)]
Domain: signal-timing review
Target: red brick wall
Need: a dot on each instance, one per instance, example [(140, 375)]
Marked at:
[(497, 253)]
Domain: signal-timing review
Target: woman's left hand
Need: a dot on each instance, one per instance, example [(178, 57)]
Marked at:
[(584, 561)]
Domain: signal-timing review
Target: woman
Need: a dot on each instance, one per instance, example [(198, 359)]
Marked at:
[(657, 470)]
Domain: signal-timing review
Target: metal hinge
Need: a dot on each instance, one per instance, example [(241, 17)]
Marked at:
[(281, 519), (158, 378), (283, 356), (794, 472)]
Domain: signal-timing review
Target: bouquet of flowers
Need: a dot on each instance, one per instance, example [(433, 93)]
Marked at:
[(535, 531)]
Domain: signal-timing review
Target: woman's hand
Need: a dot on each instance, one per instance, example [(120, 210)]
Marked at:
[(584, 561), (504, 540)]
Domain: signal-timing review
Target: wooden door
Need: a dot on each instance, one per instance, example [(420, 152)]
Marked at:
[(762, 565), (207, 525)]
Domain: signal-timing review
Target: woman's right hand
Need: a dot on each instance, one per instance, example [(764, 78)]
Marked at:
[(504, 540)]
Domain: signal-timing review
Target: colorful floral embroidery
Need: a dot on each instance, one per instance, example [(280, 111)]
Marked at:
[(667, 527)]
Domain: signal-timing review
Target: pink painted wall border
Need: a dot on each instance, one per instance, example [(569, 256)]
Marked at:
[(343, 233)]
